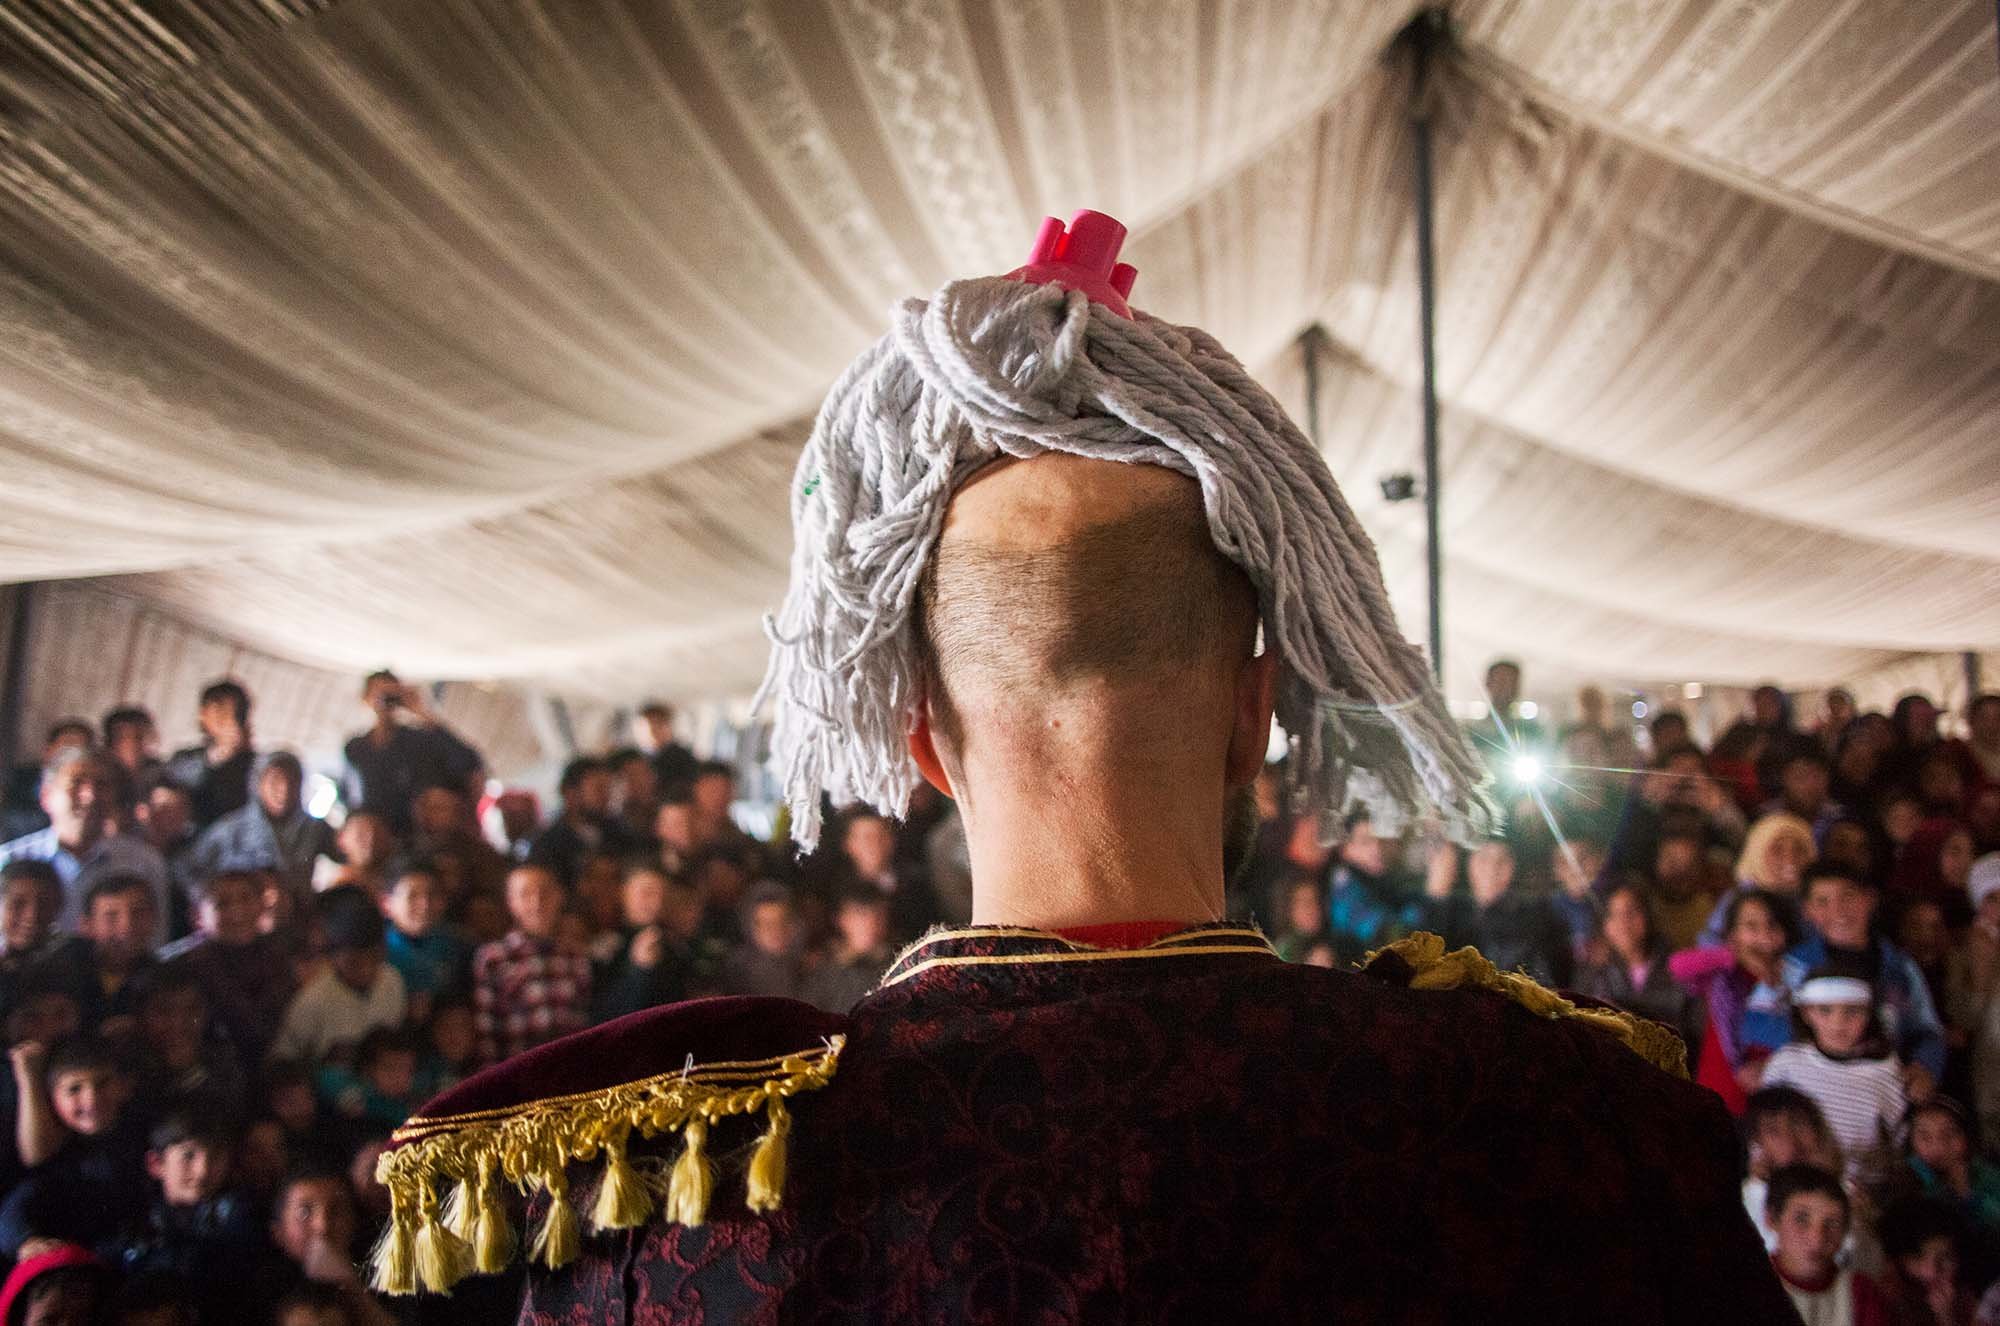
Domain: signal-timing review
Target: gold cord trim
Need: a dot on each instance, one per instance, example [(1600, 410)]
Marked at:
[(1431, 968), (532, 1144), (743, 1070), (1091, 955), (1192, 933)]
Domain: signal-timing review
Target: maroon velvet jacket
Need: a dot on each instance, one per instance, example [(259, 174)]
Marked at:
[(1021, 1131)]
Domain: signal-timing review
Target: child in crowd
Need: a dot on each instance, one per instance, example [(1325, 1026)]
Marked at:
[(288, 1098), (382, 1087), (422, 946), (30, 901), (1782, 1127), (636, 967), (1577, 864), (356, 992), (367, 843), (453, 1049), (770, 960), (90, 1184), (1944, 1167), (527, 989), (194, 1230), (61, 1284), (263, 1158), (1305, 920), (1840, 911), (246, 972), (1840, 1061), (312, 1240), (176, 1053), (853, 966), (46, 1009), (1921, 1238), (1807, 1214), (119, 919)]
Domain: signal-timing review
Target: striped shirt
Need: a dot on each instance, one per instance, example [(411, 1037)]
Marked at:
[(1862, 1100)]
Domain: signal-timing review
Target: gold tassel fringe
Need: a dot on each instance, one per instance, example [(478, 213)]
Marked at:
[(535, 1142), (443, 1258), (492, 1236), (623, 1201), (558, 1241), (1431, 968), (459, 1210), (767, 1163), (693, 1178), (393, 1264)]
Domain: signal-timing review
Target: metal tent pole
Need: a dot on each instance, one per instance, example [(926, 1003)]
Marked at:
[(1426, 34)]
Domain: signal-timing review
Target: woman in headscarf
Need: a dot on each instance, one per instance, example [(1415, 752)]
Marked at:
[(1774, 858)]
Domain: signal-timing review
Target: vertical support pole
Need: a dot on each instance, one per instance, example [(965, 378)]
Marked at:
[(1969, 660), (1309, 345), (14, 675), (1426, 32)]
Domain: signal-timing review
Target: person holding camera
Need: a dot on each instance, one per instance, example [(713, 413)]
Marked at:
[(405, 751)]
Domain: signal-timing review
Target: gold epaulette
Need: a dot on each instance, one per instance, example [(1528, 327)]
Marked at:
[(433, 1244), (1431, 968)]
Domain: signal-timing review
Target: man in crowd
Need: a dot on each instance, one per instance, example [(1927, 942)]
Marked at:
[(216, 773), (1513, 930), (406, 749), (82, 841), (273, 832), (23, 813), (869, 845), (585, 827), (133, 742), (673, 762)]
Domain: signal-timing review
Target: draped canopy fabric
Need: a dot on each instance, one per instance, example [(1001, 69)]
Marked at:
[(479, 336)]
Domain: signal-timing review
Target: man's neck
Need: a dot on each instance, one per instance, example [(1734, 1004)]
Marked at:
[(1070, 852)]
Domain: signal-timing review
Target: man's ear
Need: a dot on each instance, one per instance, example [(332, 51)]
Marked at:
[(923, 749), (1250, 725)]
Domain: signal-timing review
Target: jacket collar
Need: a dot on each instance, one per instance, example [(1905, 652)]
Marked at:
[(1015, 946)]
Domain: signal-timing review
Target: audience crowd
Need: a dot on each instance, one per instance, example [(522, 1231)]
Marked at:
[(217, 1004)]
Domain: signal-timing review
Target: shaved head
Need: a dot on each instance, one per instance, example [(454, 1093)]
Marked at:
[(1060, 577)]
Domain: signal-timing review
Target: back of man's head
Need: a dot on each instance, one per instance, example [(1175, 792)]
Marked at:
[(1085, 591)]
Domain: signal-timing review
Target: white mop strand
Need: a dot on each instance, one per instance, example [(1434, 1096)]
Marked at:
[(994, 367)]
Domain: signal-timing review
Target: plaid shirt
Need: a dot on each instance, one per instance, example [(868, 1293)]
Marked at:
[(525, 992)]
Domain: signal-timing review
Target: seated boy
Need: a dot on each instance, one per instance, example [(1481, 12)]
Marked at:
[(92, 1185), (176, 1053), (643, 968), (355, 993), (862, 953), (119, 918), (1808, 1213), (422, 946), (382, 1087), (30, 901), (193, 1229), (56, 1283), (246, 973), (528, 988), (312, 1241)]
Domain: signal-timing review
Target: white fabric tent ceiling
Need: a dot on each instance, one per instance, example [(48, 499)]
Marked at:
[(478, 336)]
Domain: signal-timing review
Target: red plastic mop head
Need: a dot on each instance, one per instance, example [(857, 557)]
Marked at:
[(1083, 257)]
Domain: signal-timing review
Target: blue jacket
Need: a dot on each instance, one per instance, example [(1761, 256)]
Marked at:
[(1902, 1000)]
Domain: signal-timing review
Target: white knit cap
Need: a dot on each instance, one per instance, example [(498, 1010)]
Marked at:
[(1834, 990), (1984, 880)]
